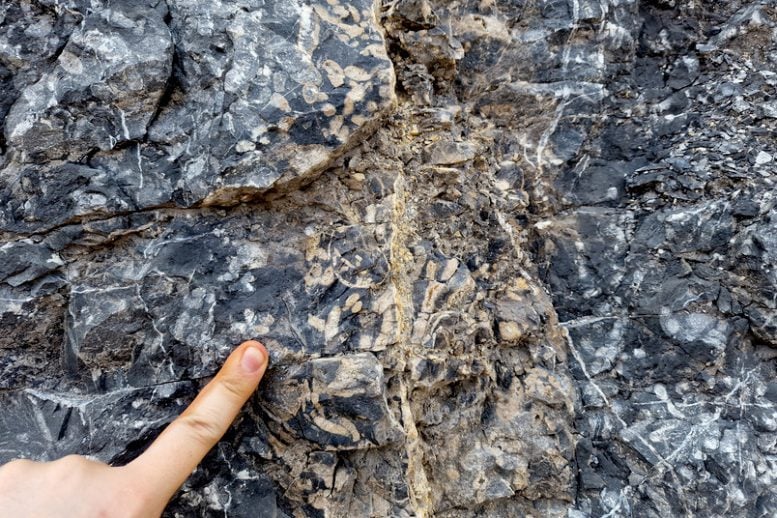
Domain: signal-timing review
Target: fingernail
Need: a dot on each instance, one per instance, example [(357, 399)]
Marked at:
[(253, 359)]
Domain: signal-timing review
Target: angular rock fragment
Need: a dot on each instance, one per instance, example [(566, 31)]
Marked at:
[(289, 85), (150, 104), (337, 403), (104, 88)]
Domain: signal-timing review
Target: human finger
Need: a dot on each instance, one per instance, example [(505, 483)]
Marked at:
[(172, 457)]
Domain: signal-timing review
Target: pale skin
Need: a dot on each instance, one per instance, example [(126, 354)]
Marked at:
[(77, 487)]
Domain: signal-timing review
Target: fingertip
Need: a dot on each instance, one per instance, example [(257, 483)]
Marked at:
[(257, 344), (254, 359)]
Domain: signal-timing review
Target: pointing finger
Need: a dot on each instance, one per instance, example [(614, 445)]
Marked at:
[(172, 457)]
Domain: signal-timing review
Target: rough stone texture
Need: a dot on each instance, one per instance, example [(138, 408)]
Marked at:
[(510, 258)]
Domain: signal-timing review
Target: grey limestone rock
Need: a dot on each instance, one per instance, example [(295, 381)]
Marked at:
[(532, 276), (103, 89)]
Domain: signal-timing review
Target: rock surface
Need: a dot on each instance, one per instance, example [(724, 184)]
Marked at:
[(510, 258)]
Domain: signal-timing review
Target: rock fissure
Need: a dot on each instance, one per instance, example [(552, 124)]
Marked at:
[(399, 261)]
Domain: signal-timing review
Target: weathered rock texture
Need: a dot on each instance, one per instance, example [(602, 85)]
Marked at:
[(511, 258)]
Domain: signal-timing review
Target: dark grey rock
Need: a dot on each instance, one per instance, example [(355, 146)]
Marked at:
[(534, 277), (103, 89), (191, 103)]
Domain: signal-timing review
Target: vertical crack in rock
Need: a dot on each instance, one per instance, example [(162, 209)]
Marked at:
[(399, 261)]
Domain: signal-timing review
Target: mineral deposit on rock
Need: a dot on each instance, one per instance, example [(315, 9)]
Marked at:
[(510, 258)]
